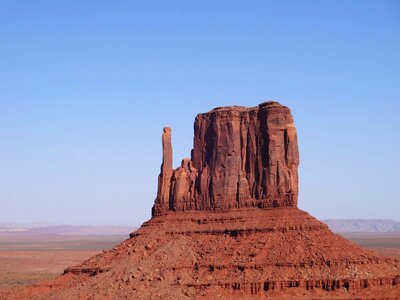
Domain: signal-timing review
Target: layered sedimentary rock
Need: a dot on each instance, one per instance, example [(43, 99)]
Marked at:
[(225, 226), (241, 157), (246, 253)]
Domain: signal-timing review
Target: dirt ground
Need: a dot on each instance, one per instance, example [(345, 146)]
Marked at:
[(27, 260), (387, 244)]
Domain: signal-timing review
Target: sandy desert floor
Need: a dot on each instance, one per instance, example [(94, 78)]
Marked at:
[(387, 244), (26, 260)]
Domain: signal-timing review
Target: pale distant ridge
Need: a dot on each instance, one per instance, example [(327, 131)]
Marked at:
[(363, 225), (33, 229)]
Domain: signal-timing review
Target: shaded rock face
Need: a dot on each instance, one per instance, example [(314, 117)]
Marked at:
[(242, 157)]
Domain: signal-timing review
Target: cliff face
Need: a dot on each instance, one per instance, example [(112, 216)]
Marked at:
[(242, 157), (212, 247)]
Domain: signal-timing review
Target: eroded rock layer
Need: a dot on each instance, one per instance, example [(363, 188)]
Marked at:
[(225, 226), (242, 157), (246, 253)]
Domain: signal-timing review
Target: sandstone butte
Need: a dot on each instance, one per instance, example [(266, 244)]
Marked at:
[(225, 225)]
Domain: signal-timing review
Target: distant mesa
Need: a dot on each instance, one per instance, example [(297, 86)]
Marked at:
[(225, 225), (363, 225)]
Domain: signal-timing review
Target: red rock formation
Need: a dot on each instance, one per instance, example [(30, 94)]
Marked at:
[(225, 226), (246, 253), (164, 179), (241, 157)]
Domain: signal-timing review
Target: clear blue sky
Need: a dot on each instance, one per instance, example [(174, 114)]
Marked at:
[(86, 87)]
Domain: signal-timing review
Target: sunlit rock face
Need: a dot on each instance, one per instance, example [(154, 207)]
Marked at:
[(242, 157), (226, 225)]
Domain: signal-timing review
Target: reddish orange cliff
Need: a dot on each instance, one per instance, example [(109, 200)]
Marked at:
[(226, 225), (242, 157)]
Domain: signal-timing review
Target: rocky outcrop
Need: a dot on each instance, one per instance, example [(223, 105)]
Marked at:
[(246, 253), (242, 157), (221, 241)]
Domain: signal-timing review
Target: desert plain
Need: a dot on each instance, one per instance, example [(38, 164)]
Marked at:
[(28, 259)]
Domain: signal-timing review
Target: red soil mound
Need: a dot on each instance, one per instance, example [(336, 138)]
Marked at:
[(249, 253)]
